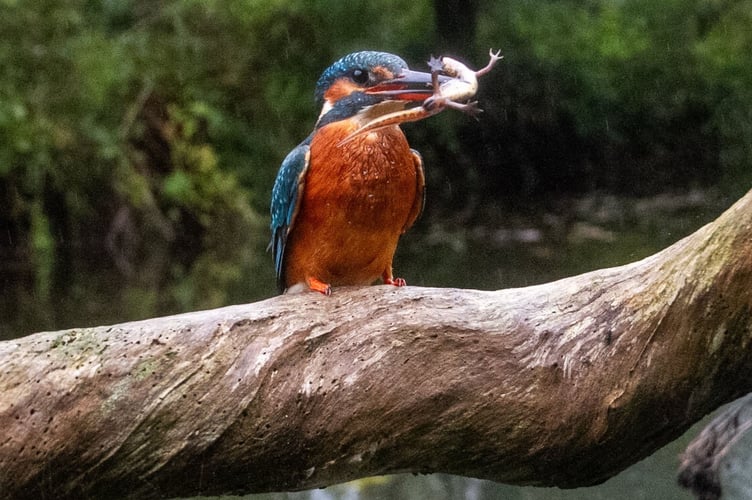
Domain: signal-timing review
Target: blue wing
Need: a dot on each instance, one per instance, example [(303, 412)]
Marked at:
[(285, 203)]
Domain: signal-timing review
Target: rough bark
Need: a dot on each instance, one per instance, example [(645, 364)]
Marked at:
[(563, 384)]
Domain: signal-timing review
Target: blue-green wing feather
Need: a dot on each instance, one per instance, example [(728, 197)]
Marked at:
[(285, 203)]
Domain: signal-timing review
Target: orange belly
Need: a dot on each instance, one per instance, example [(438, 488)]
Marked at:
[(357, 200)]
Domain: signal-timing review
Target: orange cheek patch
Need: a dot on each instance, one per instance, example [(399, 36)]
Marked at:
[(340, 89)]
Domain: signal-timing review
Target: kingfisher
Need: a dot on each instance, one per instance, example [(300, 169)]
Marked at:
[(344, 196)]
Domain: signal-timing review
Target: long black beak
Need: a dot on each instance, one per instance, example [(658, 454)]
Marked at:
[(408, 86)]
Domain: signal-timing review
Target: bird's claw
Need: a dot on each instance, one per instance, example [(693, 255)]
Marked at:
[(395, 281), (317, 285)]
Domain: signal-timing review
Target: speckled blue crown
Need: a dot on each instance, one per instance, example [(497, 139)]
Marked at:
[(357, 60)]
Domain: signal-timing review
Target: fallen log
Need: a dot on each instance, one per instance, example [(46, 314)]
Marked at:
[(563, 384)]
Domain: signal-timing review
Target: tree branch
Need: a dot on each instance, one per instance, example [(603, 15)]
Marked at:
[(562, 384)]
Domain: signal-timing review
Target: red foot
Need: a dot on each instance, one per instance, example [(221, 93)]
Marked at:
[(395, 281), (317, 285)]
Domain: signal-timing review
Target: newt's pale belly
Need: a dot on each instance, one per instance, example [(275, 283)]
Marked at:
[(357, 200)]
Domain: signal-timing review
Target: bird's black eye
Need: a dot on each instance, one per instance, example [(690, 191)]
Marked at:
[(360, 76)]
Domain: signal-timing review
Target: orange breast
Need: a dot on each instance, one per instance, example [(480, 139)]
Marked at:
[(357, 200)]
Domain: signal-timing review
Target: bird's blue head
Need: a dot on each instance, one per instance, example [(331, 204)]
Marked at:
[(357, 71), (364, 79)]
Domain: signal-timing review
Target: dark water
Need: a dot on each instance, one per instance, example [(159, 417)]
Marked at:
[(507, 251)]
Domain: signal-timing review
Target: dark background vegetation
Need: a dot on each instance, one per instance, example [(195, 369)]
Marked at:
[(139, 140)]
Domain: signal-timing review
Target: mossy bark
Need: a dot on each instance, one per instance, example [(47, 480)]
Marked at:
[(563, 384)]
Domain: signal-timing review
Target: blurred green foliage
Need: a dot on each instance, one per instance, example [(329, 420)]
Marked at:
[(145, 136), (624, 96)]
